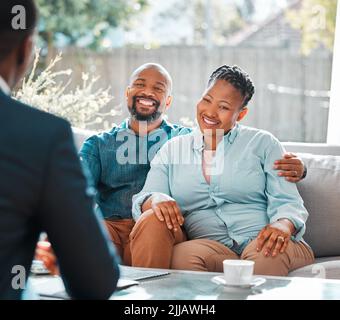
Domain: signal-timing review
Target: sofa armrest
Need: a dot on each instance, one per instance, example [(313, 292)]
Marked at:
[(314, 148)]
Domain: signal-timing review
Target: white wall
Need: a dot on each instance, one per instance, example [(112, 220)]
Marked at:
[(333, 134)]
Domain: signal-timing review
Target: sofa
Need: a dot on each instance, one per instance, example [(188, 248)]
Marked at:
[(320, 191)]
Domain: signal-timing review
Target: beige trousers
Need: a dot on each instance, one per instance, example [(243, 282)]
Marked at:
[(153, 245), (119, 231)]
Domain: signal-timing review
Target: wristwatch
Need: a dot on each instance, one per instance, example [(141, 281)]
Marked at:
[(304, 172)]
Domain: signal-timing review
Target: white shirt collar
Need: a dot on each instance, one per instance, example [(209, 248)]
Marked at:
[(4, 86)]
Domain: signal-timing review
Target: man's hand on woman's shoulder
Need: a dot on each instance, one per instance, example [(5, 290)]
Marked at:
[(291, 167)]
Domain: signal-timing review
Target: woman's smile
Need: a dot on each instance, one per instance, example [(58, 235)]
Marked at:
[(210, 122)]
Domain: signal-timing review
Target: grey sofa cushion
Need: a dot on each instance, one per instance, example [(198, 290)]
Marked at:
[(320, 191), (324, 268), (315, 148)]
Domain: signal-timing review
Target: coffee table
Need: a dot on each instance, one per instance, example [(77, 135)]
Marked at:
[(191, 285)]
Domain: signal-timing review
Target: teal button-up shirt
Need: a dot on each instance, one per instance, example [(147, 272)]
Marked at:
[(118, 162), (245, 193)]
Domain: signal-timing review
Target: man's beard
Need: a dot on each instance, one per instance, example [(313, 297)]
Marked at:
[(144, 117)]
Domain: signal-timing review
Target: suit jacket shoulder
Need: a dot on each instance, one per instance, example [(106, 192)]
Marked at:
[(21, 118)]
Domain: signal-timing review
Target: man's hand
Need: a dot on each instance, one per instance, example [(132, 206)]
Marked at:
[(291, 167), (45, 253), (274, 237)]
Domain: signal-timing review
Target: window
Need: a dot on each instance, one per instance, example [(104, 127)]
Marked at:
[(333, 136)]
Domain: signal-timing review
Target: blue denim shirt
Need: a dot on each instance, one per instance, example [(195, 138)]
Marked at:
[(245, 193), (119, 162)]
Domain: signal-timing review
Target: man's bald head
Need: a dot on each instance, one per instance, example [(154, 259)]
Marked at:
[(149, 93), (157, 67)]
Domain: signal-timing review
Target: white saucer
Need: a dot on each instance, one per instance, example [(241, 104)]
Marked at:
[(254, 283)]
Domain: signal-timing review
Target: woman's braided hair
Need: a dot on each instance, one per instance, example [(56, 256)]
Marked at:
[(236, 77)]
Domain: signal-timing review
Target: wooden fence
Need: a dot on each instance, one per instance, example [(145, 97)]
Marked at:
[(291, 98)]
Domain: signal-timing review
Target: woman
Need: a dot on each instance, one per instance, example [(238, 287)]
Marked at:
[(218, 184)]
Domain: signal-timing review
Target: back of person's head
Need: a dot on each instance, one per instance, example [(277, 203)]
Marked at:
[(236, 77), (18, 19)]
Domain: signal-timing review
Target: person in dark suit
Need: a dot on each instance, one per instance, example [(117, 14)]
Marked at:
[(42, 186)]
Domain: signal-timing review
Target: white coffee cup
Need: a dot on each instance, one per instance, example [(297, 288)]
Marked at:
[(238, 272)]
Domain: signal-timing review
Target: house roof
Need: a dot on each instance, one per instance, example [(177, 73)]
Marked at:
[(275, 26)]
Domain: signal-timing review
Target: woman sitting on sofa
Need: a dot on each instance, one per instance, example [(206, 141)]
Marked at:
[(214, 195)]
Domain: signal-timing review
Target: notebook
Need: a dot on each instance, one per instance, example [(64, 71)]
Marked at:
[(141, 274), (62, 294), (128, 277)]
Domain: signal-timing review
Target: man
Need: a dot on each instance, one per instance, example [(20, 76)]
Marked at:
[(42, 187), (119, 160)]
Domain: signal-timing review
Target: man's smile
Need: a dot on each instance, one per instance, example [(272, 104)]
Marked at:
[(146, 102)]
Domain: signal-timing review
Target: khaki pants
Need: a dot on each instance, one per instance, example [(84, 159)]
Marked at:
[(151, 242), (119, 231), (154, 245)]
